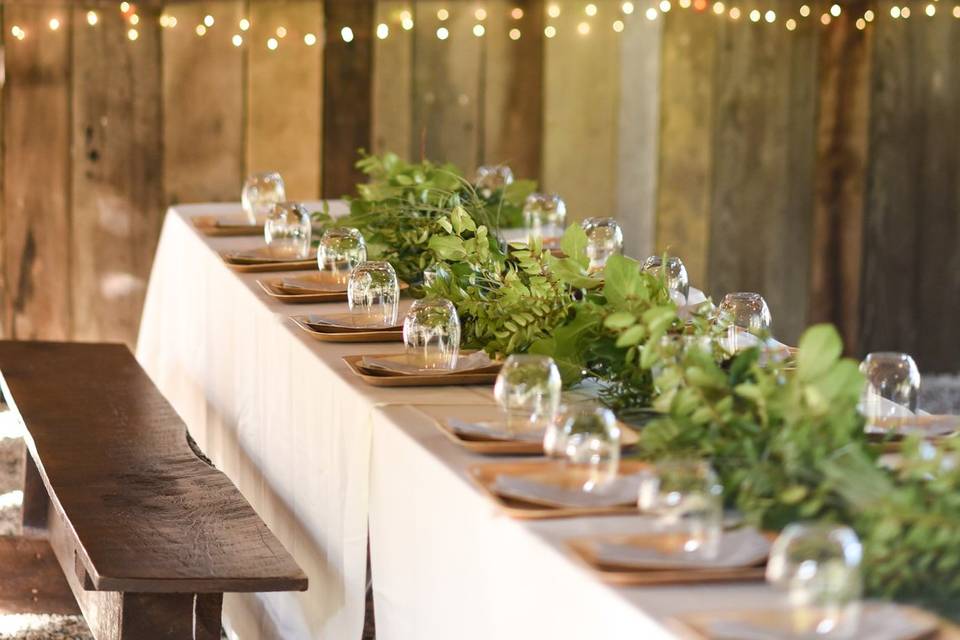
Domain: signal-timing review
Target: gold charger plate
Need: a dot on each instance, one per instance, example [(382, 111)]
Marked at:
[(227, 225), (585, 549), (275, 288), (485, 476), (339, 334), (377, 378), (628, 438), (262, 260)]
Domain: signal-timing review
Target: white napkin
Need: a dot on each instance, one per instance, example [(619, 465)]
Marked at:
[(620, 492), (744, 547), (492, 431), (400, 364), (347, 321)]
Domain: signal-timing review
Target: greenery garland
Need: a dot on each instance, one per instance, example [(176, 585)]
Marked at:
[(785, 437)]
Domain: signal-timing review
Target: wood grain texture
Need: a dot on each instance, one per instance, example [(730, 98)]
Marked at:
[(117, 190), (446, 85), (392, 118), (32, 580), (145, 514), (285, 94), (841, 173), (36, 503), (512, 117), (37, 176), (203, 104), (5, 331), (347, 93), (686, 142)]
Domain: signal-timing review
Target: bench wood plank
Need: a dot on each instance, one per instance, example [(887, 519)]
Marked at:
[(144, 514), (31, 578)]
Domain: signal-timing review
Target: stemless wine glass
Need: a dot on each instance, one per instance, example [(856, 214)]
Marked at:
[(260, 192), (287, 230), (590, 439), (673, 271), (687, 498), (431, 333), (373, 293), (492, 178), (341, 249), (746, 312), (604, 239), (543, 215), (818, 565), (893, 381), (528, 390)]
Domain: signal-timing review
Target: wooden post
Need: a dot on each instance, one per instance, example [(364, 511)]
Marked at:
[(35, 499)]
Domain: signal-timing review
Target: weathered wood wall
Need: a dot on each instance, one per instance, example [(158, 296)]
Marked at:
[(817, 166)]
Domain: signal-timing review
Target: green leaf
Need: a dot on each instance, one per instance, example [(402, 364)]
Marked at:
[(632, 336), (820, 348), (620, 320), (622, 280), (574, 244)]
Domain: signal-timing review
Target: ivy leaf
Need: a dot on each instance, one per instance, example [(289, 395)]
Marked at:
[(820, 348)]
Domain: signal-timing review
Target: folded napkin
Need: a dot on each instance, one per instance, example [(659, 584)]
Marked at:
[(496, 431), (400, 364), (311, 285), (347, 321), (745, 547), (622, 491)]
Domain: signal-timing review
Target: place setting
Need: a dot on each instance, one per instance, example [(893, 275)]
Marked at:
[(260, 193), (287, 232)]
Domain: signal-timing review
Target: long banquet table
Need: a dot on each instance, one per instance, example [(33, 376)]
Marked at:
[(320, 455)]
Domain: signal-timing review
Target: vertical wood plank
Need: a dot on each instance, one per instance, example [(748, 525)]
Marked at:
[(203, 104), (117, 184), (392, 118), (686, 141), (639, 121), (513, 86), (37, 175), (581, 98), (346, 93), (284, 95), (4, 287), (842, 139), (446, 85)]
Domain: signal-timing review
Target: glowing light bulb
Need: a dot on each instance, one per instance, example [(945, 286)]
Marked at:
[(282, 32), (553, 11), (201, 30), (54, 24), (480, 14), (309, 39), (735, 13), (755, 16), (442, 15), (618, 26), (442, 33), (272, 44), (133, 34), (124, 7), (905, 12), (383, 31), (770, 16), (665, 6), (514, 34), (931, 10), (208, 20), (835, 10), (346, 33), (718, 8), (583, 28), (134, 19), (791, 24), (805, 10), (868, 15), (550, 31), (93, 18), (894, 11), (244, 24), (861, 24), (479, 30), (590, 9), (407, 24), (651, 14), (516, 13), (627, 8), (826, 19), (237, 40)]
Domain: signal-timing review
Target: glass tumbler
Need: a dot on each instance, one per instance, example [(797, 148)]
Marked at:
[(589, 437), (604, 239), (544, 215), (260, 192), (746, 312), (687, 498), (287, 230), (373, 293), (674, 272), (431, 334), (341, 249), (893, 381), (528, 391), (492, 178), (818, 566)]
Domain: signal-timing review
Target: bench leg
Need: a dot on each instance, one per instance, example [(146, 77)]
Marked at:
[(168, 616), (35, 501)]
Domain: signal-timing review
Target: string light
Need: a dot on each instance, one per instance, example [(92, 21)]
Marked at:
[(665, 6), (931, 10), (805, 10), (208, 20), (550, 31), (825, 19), (956, 11), (480, 14), (553, 10), (583, 28), (514, 34), (791, 24), (383, 31), (894, 12), (735, 13), (770, 16), (442, 15), (346, 33), (684, 4), (627, 8), (93, 18), (516, 13), (237, 40), (700, 5), (17, 32), (54, 24), (309, 39), (905, 12), (651, 14), (406, 23), (835, 10), (442, 33), (718, 8), (282, 32), (244, 24), (201, 30), (125, 7), (618, 26), (868, 15), (755, 15), (479, 30), (861, 24), (590, 10), (133, 34), (134, 19), (272, 44)]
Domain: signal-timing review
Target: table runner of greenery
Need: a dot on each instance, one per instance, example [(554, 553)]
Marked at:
[(785, 437)]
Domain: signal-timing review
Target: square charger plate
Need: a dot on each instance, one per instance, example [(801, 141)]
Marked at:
[(635, 577), (274, 288), (343, 334), (485, 476), (262, 261), (628, 438), (227, 225), (377, 378)]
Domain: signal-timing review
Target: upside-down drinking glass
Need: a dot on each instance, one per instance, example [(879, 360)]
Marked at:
[(673, 271), (341, 249), (544, 215), (893, 381), (431, 334), (604, 239), (818, 566), (589, 437), (528, 390), (260, 192), (492, 178), (746, 312), (687, 498), (287, 230), (373, 293)]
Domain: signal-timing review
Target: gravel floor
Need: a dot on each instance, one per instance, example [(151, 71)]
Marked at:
[(939, 394)]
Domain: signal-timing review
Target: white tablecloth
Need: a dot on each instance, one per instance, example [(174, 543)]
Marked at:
[(317, 453)]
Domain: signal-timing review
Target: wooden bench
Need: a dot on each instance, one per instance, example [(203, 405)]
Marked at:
[(148, 536)]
